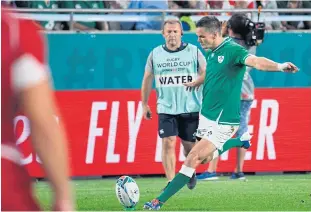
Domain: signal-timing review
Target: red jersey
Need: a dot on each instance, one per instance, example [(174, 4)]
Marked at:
[(22, 66)]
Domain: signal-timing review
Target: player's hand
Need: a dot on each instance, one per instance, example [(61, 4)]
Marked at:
[(64, 199), (147, 112), (63, 204), (289, 67), (191, 86)]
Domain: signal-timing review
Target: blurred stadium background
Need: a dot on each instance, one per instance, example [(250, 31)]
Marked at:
[(97, 53)]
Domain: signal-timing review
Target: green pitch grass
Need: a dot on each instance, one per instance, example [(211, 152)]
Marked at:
[(258, 193)]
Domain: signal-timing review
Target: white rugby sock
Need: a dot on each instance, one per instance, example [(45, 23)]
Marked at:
[(188, 171)]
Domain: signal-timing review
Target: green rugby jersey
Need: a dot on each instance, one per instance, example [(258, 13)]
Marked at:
[(223, 82)]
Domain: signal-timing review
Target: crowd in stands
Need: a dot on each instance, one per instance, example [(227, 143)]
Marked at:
[(188, 23)]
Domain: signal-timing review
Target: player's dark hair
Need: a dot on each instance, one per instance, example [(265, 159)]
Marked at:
[(210, 24)]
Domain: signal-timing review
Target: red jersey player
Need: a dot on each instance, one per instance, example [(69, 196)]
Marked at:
[(25, 82)]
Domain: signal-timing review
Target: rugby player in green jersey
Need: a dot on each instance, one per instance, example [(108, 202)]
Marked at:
[(219, 115)]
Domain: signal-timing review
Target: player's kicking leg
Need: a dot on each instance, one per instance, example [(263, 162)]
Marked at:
[(205, 148)]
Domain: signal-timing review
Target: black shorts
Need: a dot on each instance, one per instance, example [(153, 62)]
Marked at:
[(183, 125)]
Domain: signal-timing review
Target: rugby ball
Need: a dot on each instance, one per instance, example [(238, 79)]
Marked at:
[(127, 191)]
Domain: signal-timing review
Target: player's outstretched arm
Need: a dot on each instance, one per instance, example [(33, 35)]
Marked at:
[(264, 64)]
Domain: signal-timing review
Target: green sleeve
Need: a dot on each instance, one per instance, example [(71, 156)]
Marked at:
[(240, 54)]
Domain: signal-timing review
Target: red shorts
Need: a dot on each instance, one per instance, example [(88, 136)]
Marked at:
[(16, 188)]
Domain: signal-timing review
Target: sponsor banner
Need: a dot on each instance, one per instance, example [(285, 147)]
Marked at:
[(108, 136)]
